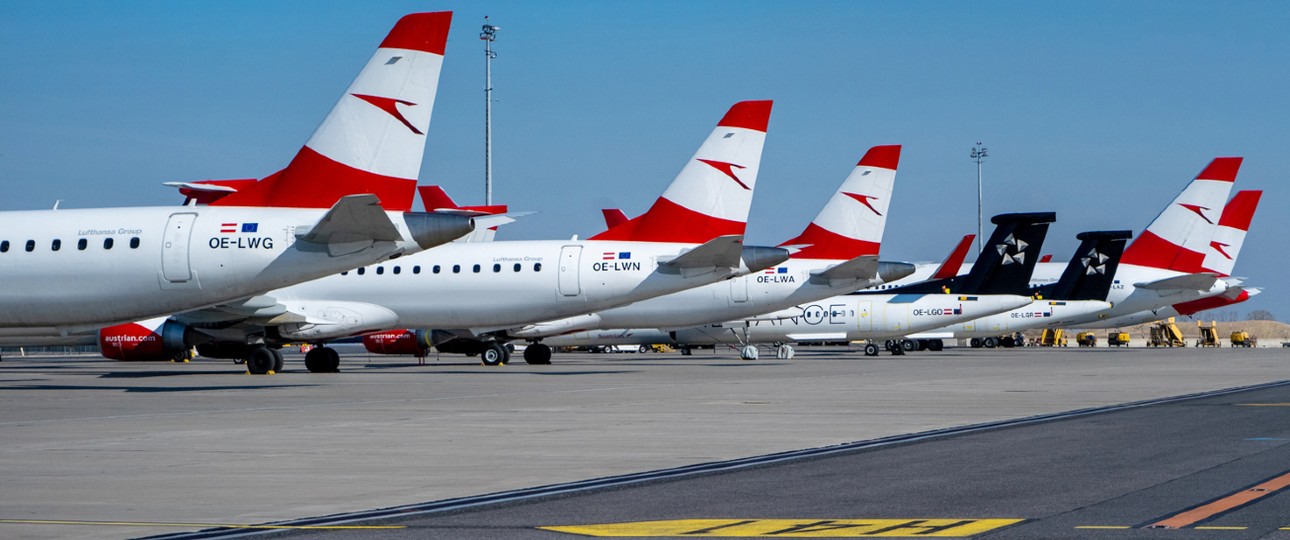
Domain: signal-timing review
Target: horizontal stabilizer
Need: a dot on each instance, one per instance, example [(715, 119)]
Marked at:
[(862, 268), (720, 252), (1185, 282), (353, 223)]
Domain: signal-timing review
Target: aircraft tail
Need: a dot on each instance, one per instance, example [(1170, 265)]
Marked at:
[(954, 261), (1010, 255), (374, 138), (613, 217), (1091, 271), (436, 200), (712, 194), (851, 223), (1179, 237), (1230, 234)]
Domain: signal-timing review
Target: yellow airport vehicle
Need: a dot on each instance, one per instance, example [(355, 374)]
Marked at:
[(1241, 338), (1086, 339), (1208, 335), (1116, 338), (1053, 337), (1166, 334)]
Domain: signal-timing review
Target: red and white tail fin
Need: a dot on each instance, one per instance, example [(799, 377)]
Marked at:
[(852, 222), (954, 261), (712, 194), (374, 138), (1048, 257), (1230, 234), (613, 217), (1179, 237), (435, 199)]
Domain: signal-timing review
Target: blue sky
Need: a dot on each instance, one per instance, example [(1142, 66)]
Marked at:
[(1100, 111)]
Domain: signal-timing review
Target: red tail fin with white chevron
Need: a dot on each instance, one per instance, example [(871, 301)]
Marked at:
[(1179, 237), (852, 222), (1228, 238), (712, 194), (374, 138)]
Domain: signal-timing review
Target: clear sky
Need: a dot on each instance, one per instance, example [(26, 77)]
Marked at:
[(1100, 111)]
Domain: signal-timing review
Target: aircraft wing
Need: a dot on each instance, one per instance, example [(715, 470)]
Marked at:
[(354, 220), (1185, 282)]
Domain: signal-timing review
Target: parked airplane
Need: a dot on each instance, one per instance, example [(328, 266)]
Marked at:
[(338, 205), (838, 254), (991, 287), (1220, 258), (1081, 291), (476, 293)]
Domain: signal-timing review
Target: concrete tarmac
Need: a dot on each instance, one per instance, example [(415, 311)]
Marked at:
[(100, 449)]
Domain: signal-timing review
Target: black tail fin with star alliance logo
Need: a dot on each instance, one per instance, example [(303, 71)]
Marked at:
[(1004, 265), (1091, 272)]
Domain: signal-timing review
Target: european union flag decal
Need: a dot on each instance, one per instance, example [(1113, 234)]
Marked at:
[(624, 255), (250, 227)]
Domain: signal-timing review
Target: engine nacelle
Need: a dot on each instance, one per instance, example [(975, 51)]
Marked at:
[(395, 342), (151, 340)]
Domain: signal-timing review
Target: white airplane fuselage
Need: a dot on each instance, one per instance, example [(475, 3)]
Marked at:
[(492, 286), (66, 269)]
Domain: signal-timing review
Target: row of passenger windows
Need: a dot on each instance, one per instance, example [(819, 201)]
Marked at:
[(57, 244), (436, 269)]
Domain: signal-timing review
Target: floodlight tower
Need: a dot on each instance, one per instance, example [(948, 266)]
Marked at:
[(978, 154), (488, 35)]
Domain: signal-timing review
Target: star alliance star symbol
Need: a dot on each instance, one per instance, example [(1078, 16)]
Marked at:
[(1018, 250)]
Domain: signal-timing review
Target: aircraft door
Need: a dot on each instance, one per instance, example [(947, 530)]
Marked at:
[(570, 256), (738, 290), (174, 248)]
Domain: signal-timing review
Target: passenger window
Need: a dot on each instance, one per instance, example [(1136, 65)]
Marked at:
[(416, 269), (456, 268), (537, 267), (107, 243), (55, 245), (435, 269), (380, 270), (345, 273), (82, 244), (362, 271), (497, 268), (396, 270), (31, 246), (134, 243), (4, 246), (476, 269), (517, 267)]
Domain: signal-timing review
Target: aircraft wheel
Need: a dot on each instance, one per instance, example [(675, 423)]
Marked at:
[(261, 361), (538, 354), (871, 349), (890, 345), (785, 352), (749, 352), (494, 354), (685, 351), (935, 345), (990, 342), (1007, 343), (898, 351), (316, 360), (975, 343), (908, 345), (642, 349)]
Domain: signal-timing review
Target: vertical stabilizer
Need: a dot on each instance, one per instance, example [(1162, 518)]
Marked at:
[(712, 194), (373, 139), (1228, 238), (852, 222), (1179, 237), (1091, 271)]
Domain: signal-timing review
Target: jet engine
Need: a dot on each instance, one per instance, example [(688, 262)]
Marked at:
[(395, 342), (151, 340)]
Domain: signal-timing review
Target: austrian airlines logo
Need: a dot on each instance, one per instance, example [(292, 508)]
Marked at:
[(727, 168), (1012, 250), (1198, 209), (389, 105), (864, 199), (1218, 246)]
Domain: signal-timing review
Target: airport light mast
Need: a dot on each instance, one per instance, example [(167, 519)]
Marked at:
[(979, 154), (488, 35)]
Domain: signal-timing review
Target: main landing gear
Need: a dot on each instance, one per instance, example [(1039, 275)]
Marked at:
[(263, 361), (537, 354), (322, 360), (494, 354)]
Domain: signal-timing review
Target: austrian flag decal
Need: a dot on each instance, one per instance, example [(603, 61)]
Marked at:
[(230, 228)]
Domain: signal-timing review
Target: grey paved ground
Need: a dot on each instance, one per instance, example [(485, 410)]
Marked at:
[(94, 440), (1122, 469)]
